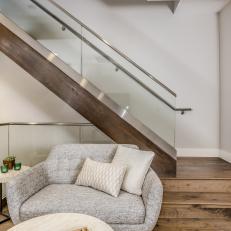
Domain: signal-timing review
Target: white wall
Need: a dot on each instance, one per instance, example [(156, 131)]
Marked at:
[(22, 98), (225, 86), (181, 50)]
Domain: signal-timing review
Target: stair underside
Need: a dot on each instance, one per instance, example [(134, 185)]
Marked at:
[(74, 94)]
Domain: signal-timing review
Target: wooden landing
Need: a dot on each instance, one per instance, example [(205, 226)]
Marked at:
[(199, 198), (207, 168)]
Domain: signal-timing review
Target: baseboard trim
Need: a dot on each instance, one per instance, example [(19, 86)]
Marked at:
[(225, 155), (204, 152), (194, 152)]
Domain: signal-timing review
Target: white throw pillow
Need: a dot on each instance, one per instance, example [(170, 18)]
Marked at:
[(106, 177), (138, 162)]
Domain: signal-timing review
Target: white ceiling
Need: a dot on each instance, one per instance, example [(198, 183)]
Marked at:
[(33, 20), (202, 6), (41, 26), (194, 6)]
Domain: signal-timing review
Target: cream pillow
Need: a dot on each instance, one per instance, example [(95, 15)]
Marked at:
[(138, 162), (102, 176)]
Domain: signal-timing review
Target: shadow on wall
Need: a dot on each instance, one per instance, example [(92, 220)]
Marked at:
[(132, 3), (128, 3), (22, 98)]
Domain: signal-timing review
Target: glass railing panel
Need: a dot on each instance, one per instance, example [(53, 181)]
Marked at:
[(4, 142), (45, 29), (32, 143), (127, 85), (70, 39), (74, 25), (146, 78), (129, 94), (92, 135), (3, 149)]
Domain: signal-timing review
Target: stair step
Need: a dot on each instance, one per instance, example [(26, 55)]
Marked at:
[(197, 198), (195, 211), (203, 168), (197, 185), (193, 225)]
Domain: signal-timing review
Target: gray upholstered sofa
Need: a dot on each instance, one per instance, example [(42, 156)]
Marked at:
[(49, 188)]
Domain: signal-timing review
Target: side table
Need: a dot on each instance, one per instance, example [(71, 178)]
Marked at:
[(4, 178)]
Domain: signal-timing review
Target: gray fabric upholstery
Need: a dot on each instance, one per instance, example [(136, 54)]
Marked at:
[(152, 196), (65, 161), (63, 171), (98, 152), (126, 208), (31, 193), (23, 187), (73, 156)]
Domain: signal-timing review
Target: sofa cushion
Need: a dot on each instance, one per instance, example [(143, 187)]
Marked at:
[(63, 172), (138, 162), (65, 161), (97, 152), (69, 198)]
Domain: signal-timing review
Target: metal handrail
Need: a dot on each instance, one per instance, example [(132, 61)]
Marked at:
[(80, 36), (112, 47), (64, 124), (47, 124)]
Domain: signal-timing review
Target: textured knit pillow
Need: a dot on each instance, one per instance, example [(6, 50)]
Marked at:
[(138, 162), (102, 176)]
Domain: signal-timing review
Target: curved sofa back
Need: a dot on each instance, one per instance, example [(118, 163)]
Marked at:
[(65, 161)]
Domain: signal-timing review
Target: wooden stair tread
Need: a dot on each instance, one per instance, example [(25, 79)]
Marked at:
[(193, 225), (194, 178), (194, 168), (196, 211), (197, 185), (197, 198), (203, 168)]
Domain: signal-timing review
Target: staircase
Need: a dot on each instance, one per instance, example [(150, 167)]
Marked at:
[(199, 198), (107, 88)]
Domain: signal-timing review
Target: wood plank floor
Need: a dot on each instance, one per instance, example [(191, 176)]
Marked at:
[(5, 226), (198, 199)]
